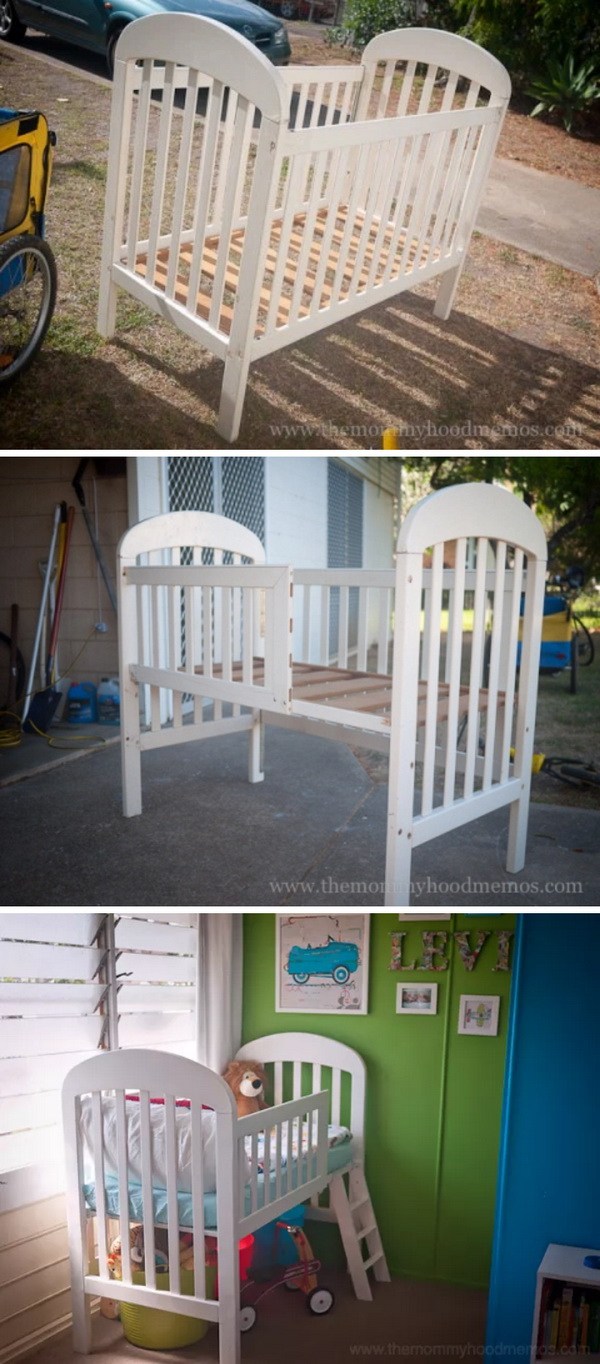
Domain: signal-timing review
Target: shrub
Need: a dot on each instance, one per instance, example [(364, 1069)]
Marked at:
[(364, 19), (566, 89)]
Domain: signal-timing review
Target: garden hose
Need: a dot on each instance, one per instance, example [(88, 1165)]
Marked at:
[(572, 771)]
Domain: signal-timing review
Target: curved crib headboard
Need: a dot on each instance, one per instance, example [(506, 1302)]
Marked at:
[(193, 529), (306, 1048), (458, 59)]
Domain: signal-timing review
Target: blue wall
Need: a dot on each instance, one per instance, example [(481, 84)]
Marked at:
[(549, 1172)]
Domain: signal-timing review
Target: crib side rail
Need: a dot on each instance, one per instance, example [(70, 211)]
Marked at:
[(290, 1142), (219, 631)]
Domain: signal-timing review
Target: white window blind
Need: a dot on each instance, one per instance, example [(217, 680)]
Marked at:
[(69, 985), (50, 1018), (156, 981)]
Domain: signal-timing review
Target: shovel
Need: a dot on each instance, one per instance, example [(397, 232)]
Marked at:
[(45, 703)]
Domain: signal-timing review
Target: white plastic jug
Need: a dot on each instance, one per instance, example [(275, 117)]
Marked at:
[(109, 701)]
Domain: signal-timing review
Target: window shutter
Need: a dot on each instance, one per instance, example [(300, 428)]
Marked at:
[(156, 980)]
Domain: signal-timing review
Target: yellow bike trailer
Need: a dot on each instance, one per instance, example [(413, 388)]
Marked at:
[(27, 266)]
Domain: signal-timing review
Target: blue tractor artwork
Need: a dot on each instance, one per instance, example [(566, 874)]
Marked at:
[(335, 959)]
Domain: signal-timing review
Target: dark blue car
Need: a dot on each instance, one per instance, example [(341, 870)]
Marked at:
[(335, 959)]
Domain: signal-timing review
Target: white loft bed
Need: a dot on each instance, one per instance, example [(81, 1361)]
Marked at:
[(298, 196), (240, 1198), (459, 702)]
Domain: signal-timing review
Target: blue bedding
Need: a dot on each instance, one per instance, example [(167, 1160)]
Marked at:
[(338, 1156)]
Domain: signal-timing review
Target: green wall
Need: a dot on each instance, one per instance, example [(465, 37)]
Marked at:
[(434, 1097)]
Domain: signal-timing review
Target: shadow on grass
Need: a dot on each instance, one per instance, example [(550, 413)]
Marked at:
[(455, 385)]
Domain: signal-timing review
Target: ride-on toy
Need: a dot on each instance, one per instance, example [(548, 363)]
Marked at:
[(300, 1275), (27, 266)]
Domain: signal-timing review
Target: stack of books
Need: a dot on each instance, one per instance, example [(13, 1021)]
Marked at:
[(569, 1320)]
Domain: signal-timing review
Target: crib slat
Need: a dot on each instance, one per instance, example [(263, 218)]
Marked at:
[(384, 634), (476, 668), (401, 227), (278, 1135), (407, 87), (226, 619), (336, 1089), (427, 89), (123, 1183), (233, 165), (454, 649), (432, 664), (197, 1162), (138, 163), (205, 183), (361, 644), (306, 623), (174, 640), (511, 663), (343, 629), (172, 1207), (267, 1166), (98, 1150), (325, 600), (182, 179), (492, 703), (278, 1082), (147, 1200), (247, 656), (297, 1080), (399, 154), (254, 1171), (160, 173)]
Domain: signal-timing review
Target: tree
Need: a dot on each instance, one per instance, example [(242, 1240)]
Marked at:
[(563, 489)]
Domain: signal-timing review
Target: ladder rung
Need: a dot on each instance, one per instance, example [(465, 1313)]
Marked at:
[(373, 1259), (366, 1231), (359, 1203)]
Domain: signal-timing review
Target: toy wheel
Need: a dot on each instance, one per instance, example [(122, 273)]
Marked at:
[(247, 1318), (27, 298), (301, 978), (341, 975), (320, 1301)]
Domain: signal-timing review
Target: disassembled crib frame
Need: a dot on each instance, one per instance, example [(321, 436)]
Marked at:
[(241, 620), (301, 195), (172, 1077)]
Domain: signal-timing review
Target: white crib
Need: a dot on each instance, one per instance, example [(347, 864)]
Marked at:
[(289, 199), (244, 1200), (459, 702)]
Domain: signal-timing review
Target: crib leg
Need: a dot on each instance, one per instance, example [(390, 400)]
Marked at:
[(233, 392), (107, 307), (255, 748), (82, 1321), (447, 292), (131, 758), (517, 833)]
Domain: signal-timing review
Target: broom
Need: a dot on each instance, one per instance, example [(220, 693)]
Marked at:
[(44, 703)]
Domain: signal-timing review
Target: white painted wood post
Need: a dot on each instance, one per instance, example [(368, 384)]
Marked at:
[(255, 748), (131, 764), (404, 729), (447, 291), (528, 685)]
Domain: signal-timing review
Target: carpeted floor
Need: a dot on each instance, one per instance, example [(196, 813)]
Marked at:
[(407, 1320)]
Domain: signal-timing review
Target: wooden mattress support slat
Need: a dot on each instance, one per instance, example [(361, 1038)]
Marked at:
[(360, 246), (350, 690)]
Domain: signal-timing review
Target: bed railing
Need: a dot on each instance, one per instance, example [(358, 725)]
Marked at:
[(293, 1153)]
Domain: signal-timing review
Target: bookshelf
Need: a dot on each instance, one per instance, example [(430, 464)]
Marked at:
[(566, 1316)]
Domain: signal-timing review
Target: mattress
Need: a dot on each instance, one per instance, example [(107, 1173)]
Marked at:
[(292, 1174)]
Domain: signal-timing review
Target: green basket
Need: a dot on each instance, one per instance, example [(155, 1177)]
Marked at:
[(153, 1329)]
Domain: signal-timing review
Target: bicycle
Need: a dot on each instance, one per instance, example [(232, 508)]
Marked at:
[(28, 279)]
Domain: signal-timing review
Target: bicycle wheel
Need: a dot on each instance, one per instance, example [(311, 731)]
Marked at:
[(584, 643), (27, 298)]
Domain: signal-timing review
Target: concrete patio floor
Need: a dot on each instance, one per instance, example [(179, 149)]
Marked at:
[(311, 834)]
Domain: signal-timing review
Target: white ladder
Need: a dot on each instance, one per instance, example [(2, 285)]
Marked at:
[(358, 1226)]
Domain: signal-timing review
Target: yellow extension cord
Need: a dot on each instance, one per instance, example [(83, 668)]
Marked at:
[(11, 733)]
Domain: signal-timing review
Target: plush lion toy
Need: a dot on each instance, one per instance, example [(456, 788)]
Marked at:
[(246, 1080)]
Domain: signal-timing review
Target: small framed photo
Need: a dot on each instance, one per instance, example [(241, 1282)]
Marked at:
[(412, 997), (478, 1015)]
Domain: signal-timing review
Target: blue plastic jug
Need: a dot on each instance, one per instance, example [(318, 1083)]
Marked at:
[(81, 704)]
